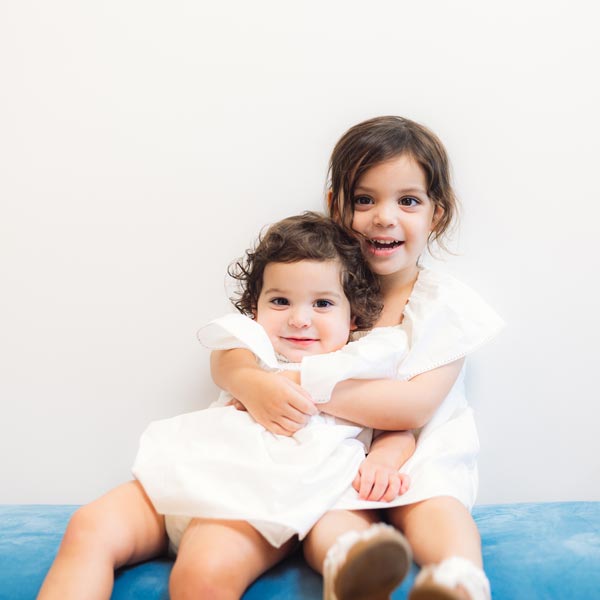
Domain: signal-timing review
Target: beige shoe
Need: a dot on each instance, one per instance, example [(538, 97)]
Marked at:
[(455, 578), (366, 565)]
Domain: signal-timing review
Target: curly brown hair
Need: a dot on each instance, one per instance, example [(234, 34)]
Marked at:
[(380, 139), (309, 236)]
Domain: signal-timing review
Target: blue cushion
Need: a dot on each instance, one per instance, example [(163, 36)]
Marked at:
[(531, 551)]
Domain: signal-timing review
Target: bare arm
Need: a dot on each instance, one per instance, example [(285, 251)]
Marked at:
[(392, 448), (393, 405), (273, 400), (378, 477)]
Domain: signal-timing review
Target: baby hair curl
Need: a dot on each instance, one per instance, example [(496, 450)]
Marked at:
[(309, 236)]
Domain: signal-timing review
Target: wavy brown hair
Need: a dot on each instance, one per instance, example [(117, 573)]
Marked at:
[(380, 139), (309, 236)]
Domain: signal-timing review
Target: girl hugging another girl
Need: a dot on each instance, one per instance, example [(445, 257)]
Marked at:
[(281, 455), (225, 494), (390, 187)]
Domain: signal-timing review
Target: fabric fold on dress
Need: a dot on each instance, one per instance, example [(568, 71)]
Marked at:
[(219, 463)]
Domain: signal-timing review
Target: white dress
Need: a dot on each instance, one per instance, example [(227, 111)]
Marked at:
[(219, 463), (444, 320)]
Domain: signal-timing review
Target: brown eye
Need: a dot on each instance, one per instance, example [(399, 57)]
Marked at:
[(409, 201), (323, 303), (279, 301), (362, 200)]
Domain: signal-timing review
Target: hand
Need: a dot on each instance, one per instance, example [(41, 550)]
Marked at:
[(276, 402), (379, 482)]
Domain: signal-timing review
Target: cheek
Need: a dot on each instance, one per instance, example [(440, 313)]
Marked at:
[(358, 221), (419, 231), (340, 332), (269, 322)]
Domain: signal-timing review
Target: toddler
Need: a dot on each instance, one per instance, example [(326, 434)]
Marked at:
[(234, 494)]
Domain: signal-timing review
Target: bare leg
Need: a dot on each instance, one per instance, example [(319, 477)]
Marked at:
[(119, 528), (220, 559), (358, 558), (327, 530), (438, 528)]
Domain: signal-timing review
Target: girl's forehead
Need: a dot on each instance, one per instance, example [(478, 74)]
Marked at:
[(302, 272), (402, 168)]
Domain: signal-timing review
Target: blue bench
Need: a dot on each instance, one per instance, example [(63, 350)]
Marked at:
[(531, 551)]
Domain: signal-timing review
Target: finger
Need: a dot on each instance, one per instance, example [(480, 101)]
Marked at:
[(366, 484), (379, 487), (302, 391), (356, 482), (288, 425), (301, 400), (285, 425), (277, 429), (404, 483), (238, 405), (293, 414), (393, 488), (304, 404)]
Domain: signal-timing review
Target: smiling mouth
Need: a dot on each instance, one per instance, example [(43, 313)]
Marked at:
[(300, 341), (385, 244)]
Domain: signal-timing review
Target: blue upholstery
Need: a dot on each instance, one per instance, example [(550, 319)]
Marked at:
[(531, 551)]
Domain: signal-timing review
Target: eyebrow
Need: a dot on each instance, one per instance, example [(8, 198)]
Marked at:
[(328, 294), (414, 189)]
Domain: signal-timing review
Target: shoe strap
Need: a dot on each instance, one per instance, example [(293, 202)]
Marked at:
[(455, 571)]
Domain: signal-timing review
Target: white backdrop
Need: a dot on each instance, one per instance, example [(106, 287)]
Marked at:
[(144, 144)]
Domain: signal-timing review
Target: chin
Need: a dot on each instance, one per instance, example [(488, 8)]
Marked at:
[(296, 356)]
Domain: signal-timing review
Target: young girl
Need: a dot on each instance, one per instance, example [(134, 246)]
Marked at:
[(390, 186), (234, 494), (303, 302)]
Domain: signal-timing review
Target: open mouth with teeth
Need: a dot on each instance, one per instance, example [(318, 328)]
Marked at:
[(385, 244)]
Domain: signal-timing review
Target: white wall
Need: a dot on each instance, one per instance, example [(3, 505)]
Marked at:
[(144, 144)]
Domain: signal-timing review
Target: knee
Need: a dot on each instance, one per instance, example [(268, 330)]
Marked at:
[(212, 578), (328, 529), (83, 529), (93, 532), (438, 507)]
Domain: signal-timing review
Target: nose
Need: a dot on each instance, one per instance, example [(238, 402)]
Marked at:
[(299, 317), (384, 214)]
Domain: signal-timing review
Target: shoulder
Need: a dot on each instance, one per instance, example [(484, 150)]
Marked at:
[(437, 295), (445, 320), (434, 285)]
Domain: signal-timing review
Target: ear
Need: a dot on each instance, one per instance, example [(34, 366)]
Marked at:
[(353, 325)]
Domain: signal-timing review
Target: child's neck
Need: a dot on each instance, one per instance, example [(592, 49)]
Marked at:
[(396, 290)]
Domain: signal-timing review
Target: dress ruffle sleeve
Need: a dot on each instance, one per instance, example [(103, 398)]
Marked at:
[(238, 331), (444, 320), (377, 355)]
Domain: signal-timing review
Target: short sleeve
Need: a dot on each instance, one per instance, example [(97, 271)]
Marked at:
[(377, 355), (444, 320), (238, 331)]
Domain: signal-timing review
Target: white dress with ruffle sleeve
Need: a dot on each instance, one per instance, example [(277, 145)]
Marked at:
[(219, 463), (444, 320)]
